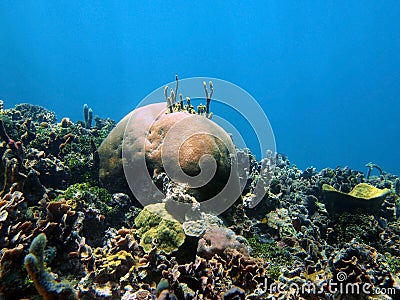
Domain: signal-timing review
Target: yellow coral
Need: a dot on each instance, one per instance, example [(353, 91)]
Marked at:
[(363, 196), (114, 261), (156, 225), (313, 276), (367, 191)]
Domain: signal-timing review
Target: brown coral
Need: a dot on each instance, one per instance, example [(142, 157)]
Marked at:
[(150, 132), (211, 278), (361, 264)]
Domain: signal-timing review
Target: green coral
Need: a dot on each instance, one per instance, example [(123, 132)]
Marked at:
[(36, 113), (357, 226), (394, 264), (44, 283), (78, 166), (274, 272), (11, 127), (277, 257), (85, 190), (156, 225), (81, 195), (77, 152)]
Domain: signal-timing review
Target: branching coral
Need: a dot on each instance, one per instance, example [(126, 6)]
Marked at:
[(261, 174)]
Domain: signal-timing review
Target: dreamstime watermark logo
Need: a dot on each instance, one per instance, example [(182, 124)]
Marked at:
[(155, 139), (332, 287)]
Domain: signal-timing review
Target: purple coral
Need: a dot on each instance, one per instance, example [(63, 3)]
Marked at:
[(217, 240)]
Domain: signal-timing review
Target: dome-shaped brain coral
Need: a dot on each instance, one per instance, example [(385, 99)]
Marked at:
[(190, 148)]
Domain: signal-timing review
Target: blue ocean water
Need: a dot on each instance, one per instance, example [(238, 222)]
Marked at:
[(326, 73)]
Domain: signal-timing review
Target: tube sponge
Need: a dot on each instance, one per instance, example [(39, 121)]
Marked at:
[(44, 283)]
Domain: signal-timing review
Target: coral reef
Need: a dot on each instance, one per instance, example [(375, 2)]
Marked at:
[(46, 286), (36, 155), (79, 239), (362, 265)]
